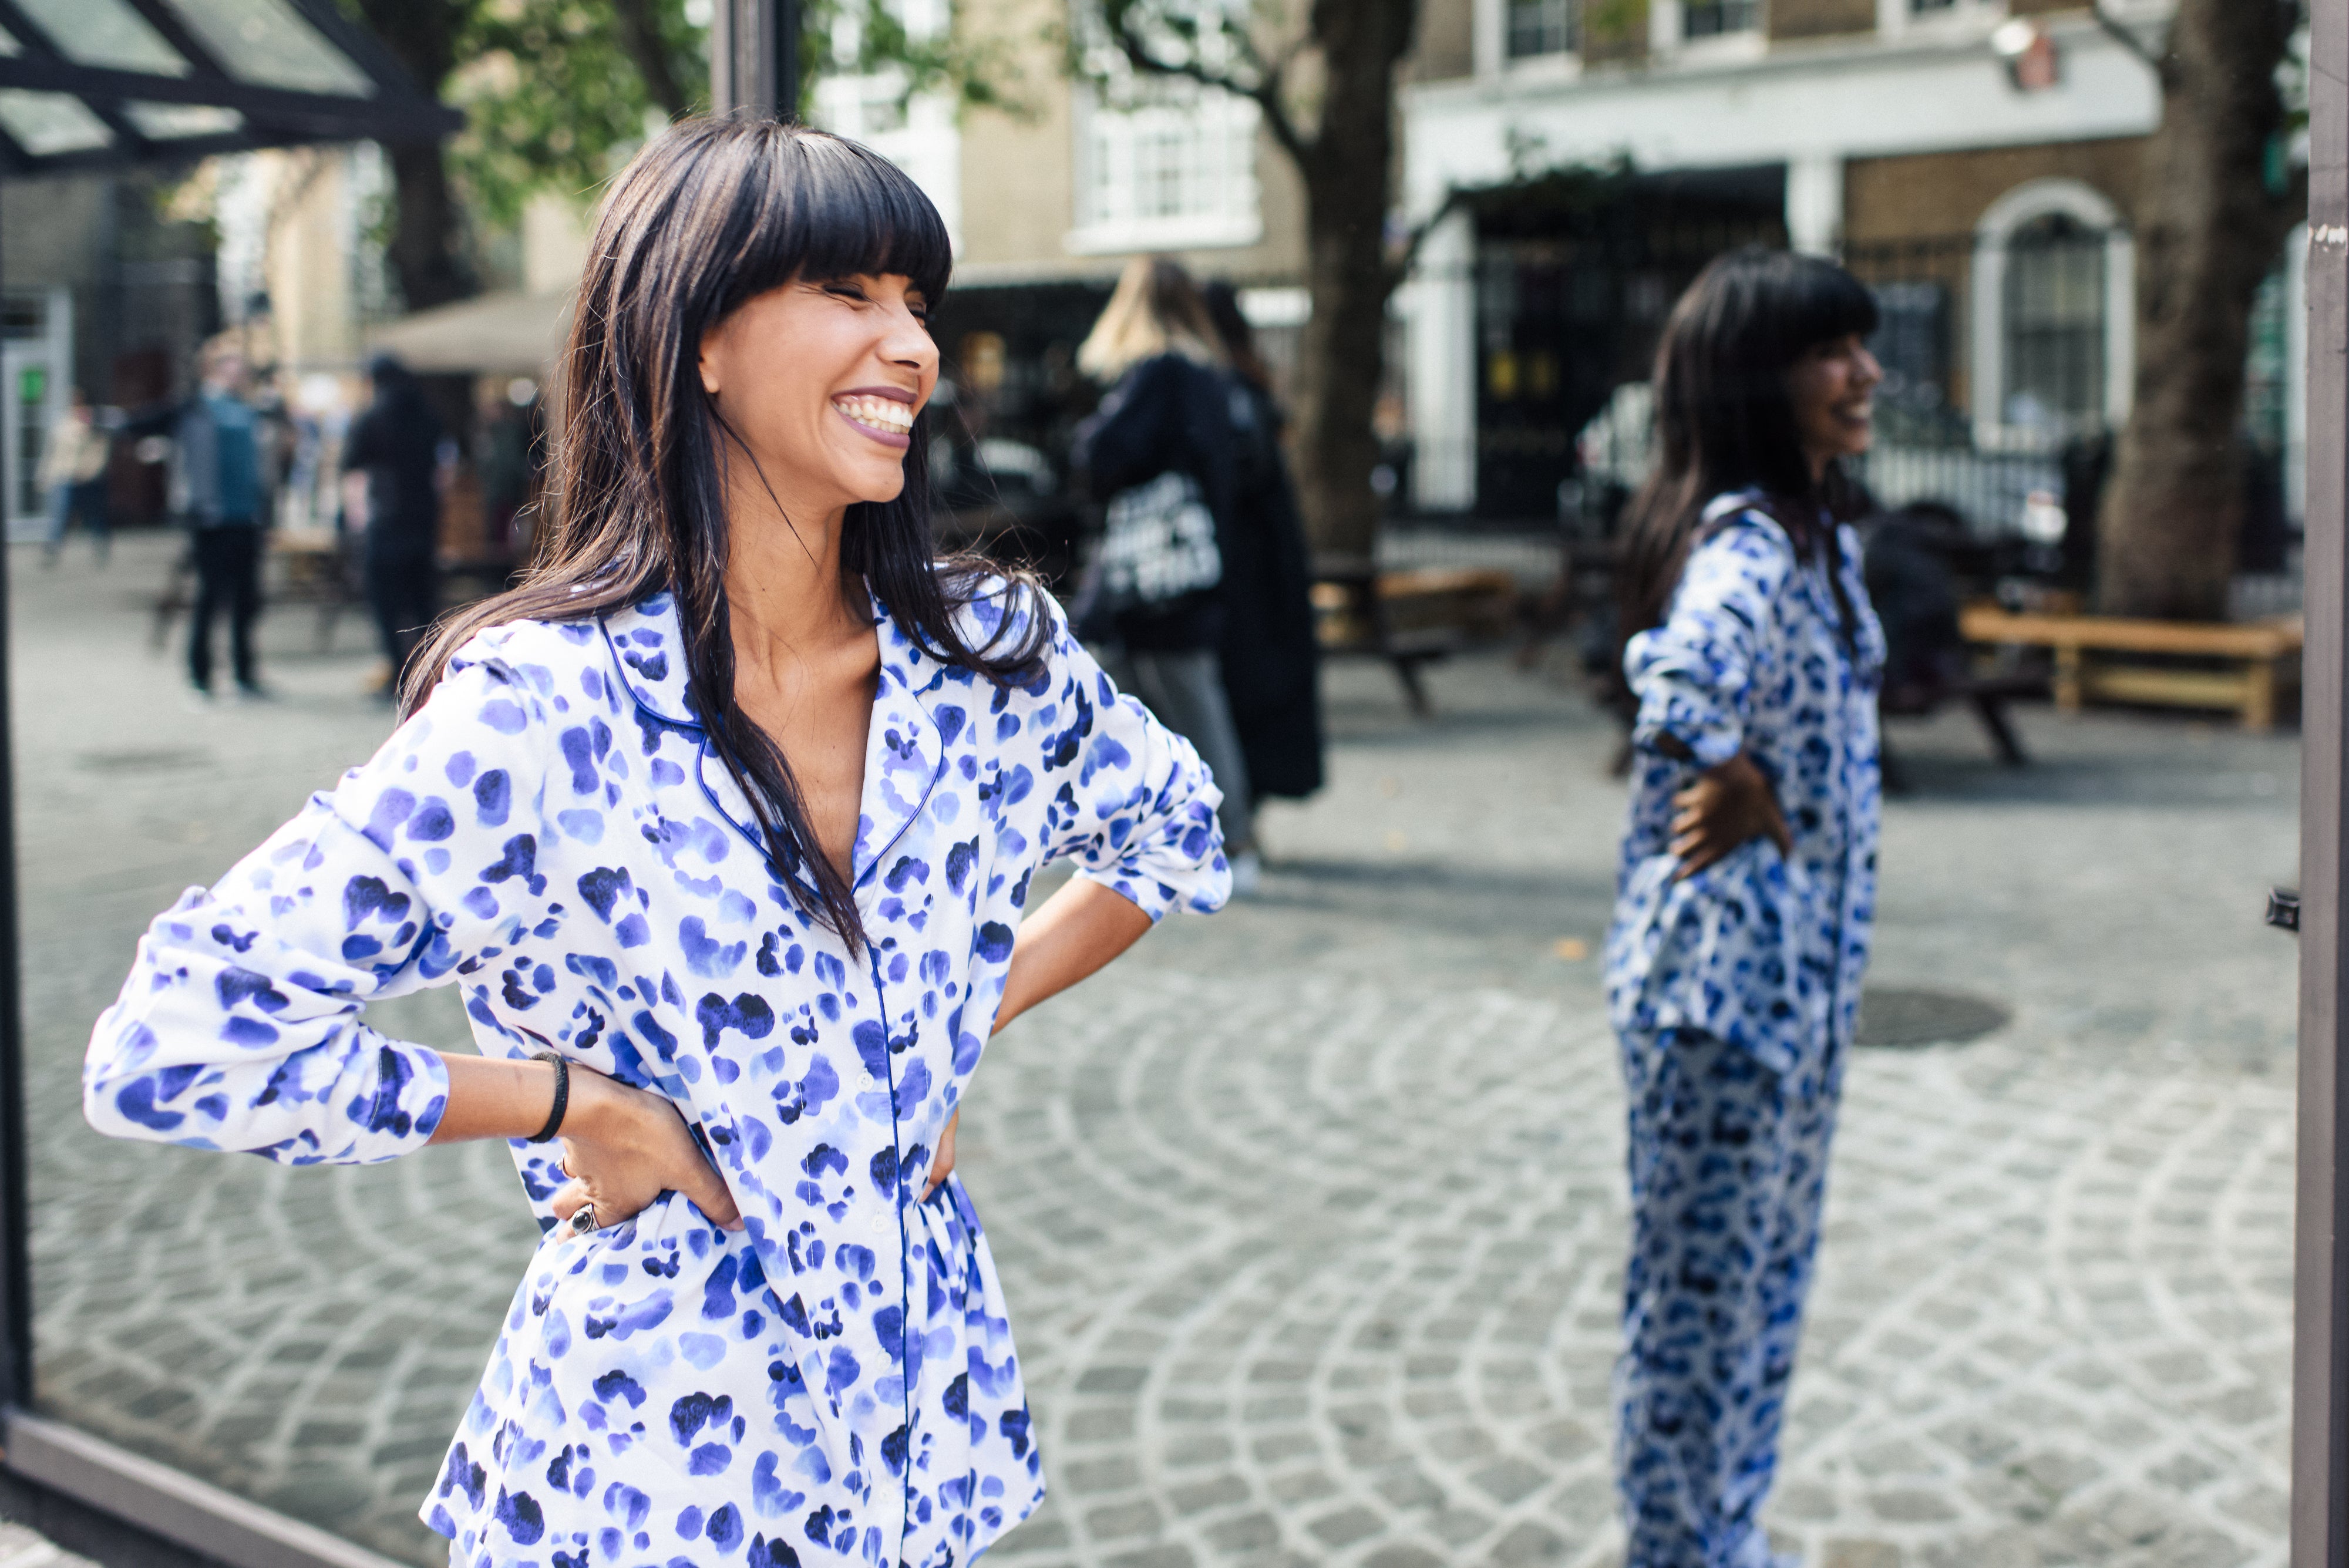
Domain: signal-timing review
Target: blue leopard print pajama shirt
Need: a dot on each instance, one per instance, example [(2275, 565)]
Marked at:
[(552, 833), (1735, 993)]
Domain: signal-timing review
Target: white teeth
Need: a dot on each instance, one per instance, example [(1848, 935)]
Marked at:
[(881, 413)]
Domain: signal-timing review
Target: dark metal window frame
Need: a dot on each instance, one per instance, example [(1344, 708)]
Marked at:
[(2319, 1436)]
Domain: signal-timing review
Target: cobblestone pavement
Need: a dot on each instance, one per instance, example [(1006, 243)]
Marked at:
[(1310, 1214)]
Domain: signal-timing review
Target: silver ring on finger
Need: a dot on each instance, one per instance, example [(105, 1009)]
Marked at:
[(582, 1222)]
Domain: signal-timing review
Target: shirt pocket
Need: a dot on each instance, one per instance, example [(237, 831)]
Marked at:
[(1718, 951)]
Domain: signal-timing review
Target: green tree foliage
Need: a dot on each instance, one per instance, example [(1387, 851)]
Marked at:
[(553, 89), (557, 93)]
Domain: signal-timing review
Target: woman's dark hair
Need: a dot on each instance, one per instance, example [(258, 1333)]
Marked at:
[(1723, 419), (1232, 324), (712, 214)]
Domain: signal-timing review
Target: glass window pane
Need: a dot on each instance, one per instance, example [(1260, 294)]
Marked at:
[(2054, 326), (1541, 27), (105, 33), (267, 41), (306, 1339), (175, 121), (1710, 18), (46, 123)]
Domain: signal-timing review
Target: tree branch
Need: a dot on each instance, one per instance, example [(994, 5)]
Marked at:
[(1399, 267), (2118, 31), (1264, 92)]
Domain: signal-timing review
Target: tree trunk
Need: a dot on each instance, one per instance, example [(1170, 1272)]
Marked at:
[(426, 250), (638, 22), (2208, 229), (1341, 359)]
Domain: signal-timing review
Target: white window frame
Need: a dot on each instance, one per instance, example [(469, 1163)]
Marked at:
[(1109, 131), (1895, 18), (1994, 233), (1490, 36), (925, 141), (1668, 35)]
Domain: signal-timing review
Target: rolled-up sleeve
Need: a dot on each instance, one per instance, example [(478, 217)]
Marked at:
[(1694, 675), (240, 1025), (1135, 808)]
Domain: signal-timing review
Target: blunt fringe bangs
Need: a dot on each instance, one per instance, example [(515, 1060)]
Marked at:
[(1724, 420), (712, 214)]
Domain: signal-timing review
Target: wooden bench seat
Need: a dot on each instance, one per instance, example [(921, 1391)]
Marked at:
[(1409, 617), (2239, 667)]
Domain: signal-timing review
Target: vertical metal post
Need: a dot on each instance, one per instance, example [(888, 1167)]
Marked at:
[(16, 1202), (754, 56), (2320, 1435)]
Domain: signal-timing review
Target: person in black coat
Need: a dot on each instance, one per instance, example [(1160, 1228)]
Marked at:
[(1169, 413), (1271, 657), (397, 445)]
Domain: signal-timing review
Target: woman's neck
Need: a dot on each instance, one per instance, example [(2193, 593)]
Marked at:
[(785, 593)]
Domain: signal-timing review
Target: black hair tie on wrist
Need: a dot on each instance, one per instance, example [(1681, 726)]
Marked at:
[(561, 1096)]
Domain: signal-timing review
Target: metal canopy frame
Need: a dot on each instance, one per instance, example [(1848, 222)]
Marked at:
[(390, 108)]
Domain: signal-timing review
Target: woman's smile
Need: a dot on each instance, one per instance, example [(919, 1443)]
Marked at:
[(884, 413)]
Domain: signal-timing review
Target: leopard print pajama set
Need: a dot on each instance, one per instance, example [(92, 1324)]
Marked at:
[(1735, 993)]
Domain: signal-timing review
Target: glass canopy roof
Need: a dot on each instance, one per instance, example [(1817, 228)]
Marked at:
[(97, 84)]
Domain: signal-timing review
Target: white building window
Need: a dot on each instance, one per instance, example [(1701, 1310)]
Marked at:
[(2053, 319), (1534, 28), (2051, 325), (1174, 168), (1707, 30), (1718, 18), (1894, 17), (919, 132)]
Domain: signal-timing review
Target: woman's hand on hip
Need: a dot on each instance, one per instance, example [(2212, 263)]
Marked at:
[(623, 1148), (1726, 806), (942, 1162)]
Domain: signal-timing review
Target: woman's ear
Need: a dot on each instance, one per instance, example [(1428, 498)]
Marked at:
[(708, 364)]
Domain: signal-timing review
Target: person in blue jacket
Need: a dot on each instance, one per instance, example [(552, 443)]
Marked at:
[(1747, 882)]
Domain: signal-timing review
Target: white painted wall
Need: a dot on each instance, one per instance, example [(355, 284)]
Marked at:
[(1930, 92)]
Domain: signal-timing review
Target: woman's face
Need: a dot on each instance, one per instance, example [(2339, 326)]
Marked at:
[(822, 381), (1832, 388)]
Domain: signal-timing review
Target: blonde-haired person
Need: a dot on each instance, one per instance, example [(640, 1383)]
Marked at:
[(1160, 454)]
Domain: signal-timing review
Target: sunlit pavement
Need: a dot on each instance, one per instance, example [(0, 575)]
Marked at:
[(1311, 1213)]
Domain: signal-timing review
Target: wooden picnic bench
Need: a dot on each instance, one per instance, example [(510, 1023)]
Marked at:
[(1409, 618), (2239, 667)]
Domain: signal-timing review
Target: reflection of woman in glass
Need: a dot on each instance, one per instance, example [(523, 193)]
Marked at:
[(1748, 879), (723, 821)]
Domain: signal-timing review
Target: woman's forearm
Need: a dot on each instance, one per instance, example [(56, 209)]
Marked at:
[(493, 1096), (1075, 931)]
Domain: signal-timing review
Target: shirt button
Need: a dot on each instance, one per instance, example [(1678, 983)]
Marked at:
[(880, 1224), (864, 1079)]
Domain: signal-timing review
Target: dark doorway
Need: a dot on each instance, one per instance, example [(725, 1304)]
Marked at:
[(1574, 275)]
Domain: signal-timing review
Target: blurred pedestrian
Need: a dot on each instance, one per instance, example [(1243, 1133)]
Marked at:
[(73, 478), (1747, 881), (219, 484), (1271, 659), (397, 445), (1160, 455)]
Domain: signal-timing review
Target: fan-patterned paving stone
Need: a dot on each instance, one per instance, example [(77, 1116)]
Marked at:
[(1310, 1215)]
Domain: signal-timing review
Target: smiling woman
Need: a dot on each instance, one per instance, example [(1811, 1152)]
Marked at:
[(724, 822), (1747, 881)]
